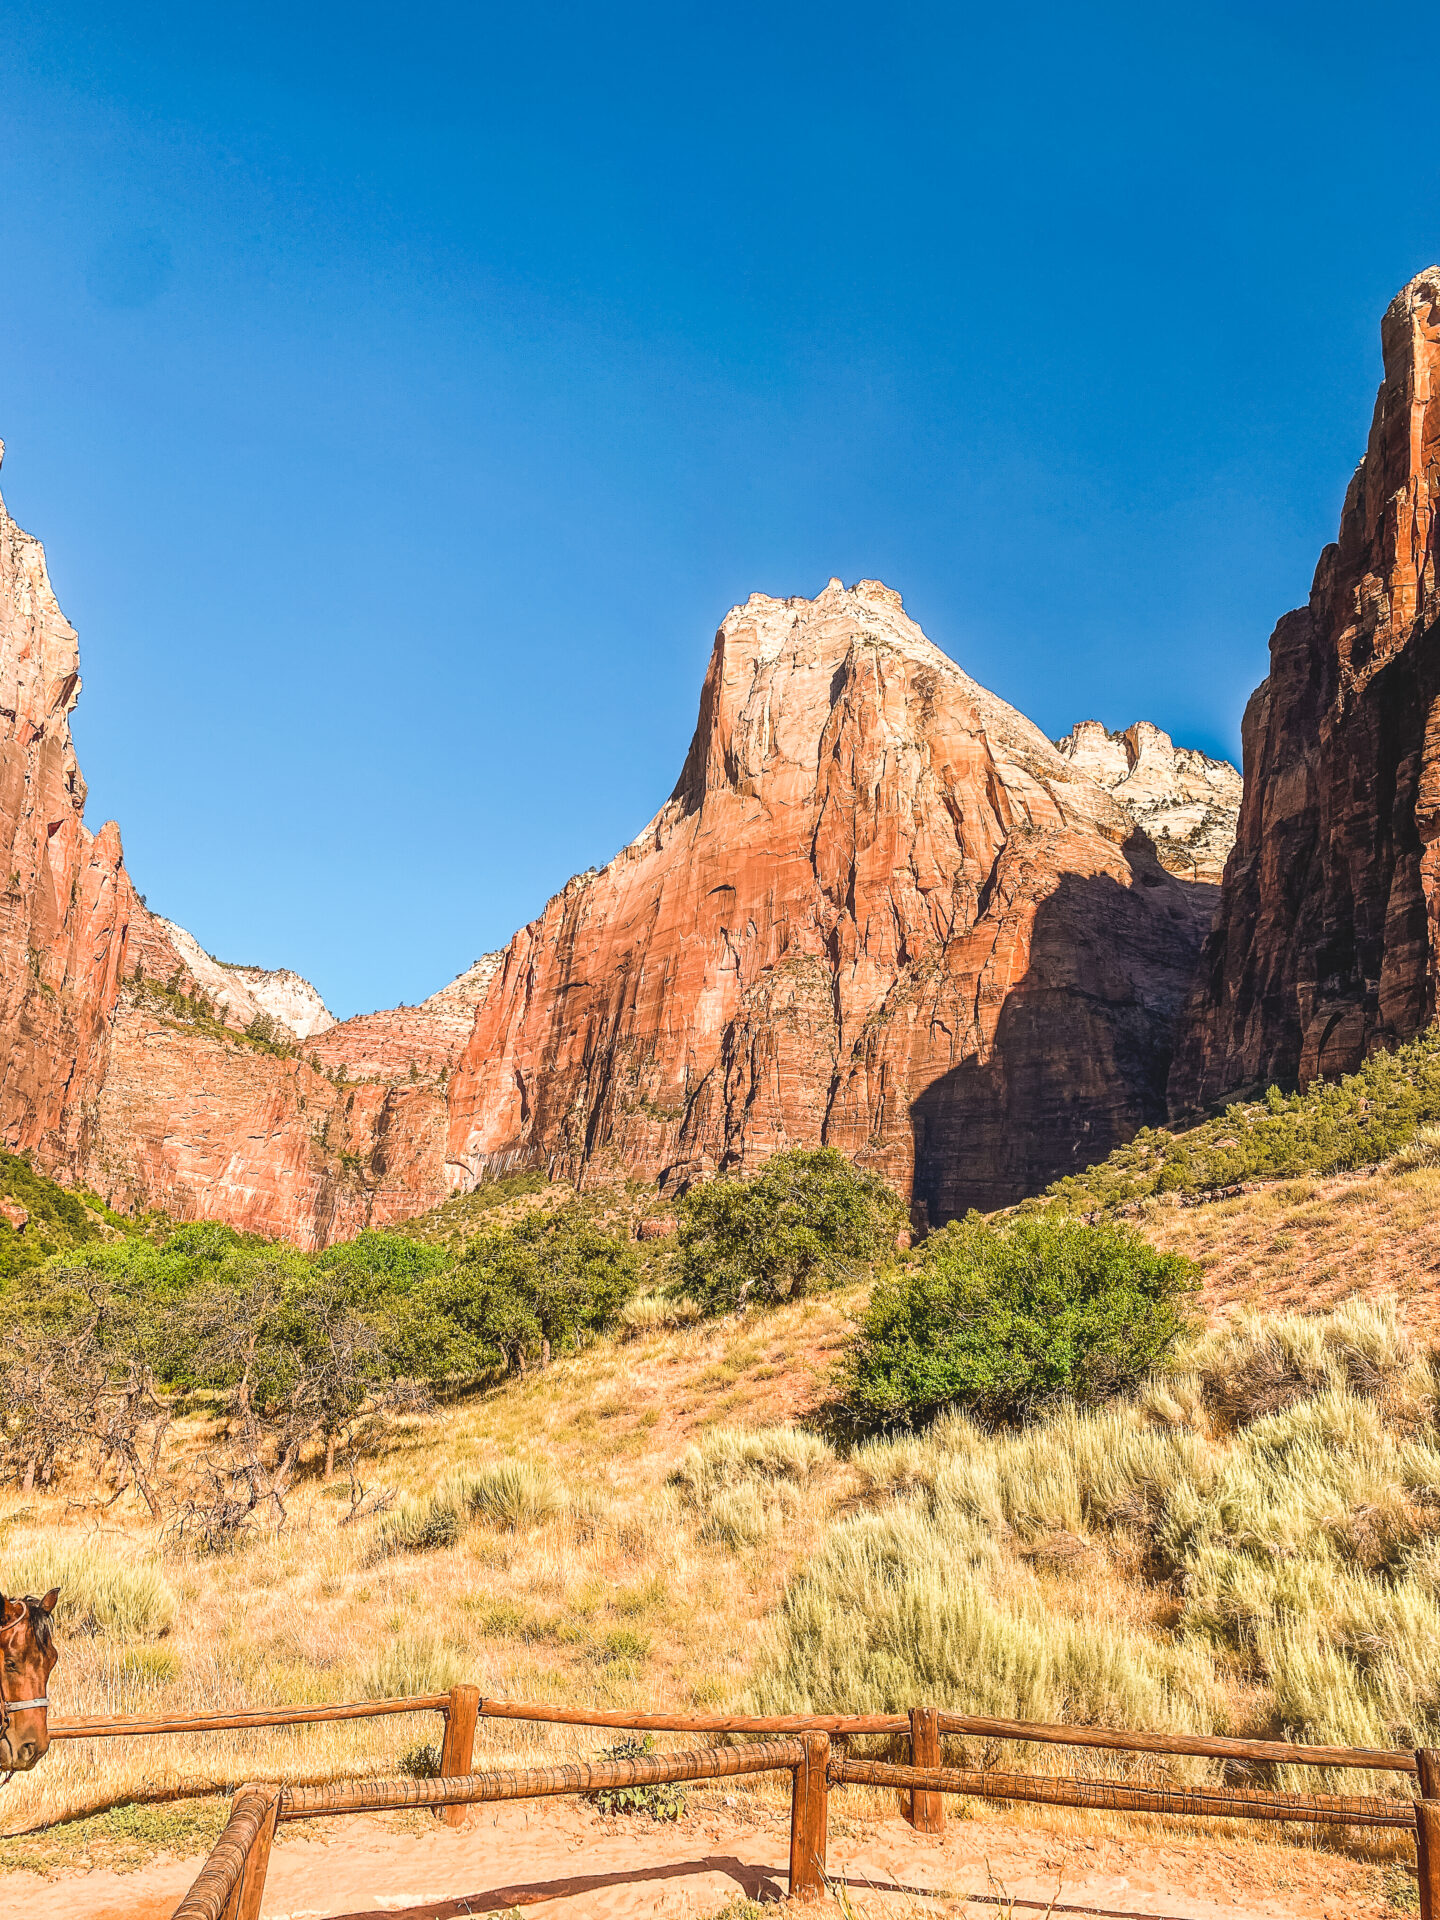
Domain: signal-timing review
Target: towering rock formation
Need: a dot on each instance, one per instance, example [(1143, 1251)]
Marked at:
[(66, 902), (879, 911), (1186, 802), (1326, 942), (112, 1076)]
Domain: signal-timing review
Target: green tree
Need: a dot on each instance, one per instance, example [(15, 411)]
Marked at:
[(806, 1218), (1000, 1318)]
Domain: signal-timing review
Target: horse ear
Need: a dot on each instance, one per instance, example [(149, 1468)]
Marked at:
[(48, 1603)]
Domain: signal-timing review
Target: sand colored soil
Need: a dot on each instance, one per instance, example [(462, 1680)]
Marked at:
[(563, 1860)]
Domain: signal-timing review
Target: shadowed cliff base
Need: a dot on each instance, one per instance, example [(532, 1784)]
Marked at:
[(997, 1129)]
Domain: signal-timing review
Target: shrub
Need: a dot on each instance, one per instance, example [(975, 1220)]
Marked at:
[(1334, 1125), (727, 1457), (807, 1218), (511, 1493), (99, 1594), (1003, 1318), (419, 1526), (420, 1662), (657, 1313), (900, 1607), (422, 1761), (1258, 1365), (664, 1801)]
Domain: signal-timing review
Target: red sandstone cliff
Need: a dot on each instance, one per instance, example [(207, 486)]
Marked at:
[(409, 1043), (67, 902), (112, 1078), (879, 911), (1326, 945)]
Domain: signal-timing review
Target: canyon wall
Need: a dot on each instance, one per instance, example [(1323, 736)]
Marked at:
[(880, 911), (1325, 946), (123, 1066), (67, 901)]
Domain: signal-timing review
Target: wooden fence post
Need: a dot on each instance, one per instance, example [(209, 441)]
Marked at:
[(927, 1810), (249, 1889), (810, 1818), (1427, 1831), (458, 1751)]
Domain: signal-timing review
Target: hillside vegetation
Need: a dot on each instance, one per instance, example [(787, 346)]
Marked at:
[(55, 1218), (1334, 1126), (573, 1465)]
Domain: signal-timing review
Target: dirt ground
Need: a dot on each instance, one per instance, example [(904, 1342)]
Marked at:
[(563, 1859)]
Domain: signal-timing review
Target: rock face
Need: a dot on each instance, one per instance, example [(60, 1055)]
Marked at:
[(1186, 802), (1325, 946), (243, 992), (287, 997), (67, 901), (879, 911), (111, 1076), (409, 1043)]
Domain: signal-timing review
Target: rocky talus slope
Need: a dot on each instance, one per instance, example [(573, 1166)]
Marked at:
[(880, 911), (1188, 803), (1325, 946)]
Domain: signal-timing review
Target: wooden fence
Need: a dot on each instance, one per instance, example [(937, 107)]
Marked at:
[(812, 1748)]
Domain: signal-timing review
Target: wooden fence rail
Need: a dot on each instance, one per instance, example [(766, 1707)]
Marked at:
[(231, 1884)]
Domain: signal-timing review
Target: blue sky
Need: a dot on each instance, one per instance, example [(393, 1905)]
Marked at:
[(403, 397)]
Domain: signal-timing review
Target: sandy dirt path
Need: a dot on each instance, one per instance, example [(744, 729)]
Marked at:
[(563, 1860)]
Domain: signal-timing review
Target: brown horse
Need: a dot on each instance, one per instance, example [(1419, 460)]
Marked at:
[(27, 1656)]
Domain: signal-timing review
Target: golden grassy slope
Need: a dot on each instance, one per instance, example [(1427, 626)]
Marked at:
[(1305, 1245), (626, 1586)]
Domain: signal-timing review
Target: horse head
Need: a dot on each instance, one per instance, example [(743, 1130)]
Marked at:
[(27, 1656)]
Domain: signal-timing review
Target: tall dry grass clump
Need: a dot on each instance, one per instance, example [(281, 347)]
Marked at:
[(1252, 1545)]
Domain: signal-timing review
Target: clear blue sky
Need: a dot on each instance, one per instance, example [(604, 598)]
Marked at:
[(404, 394)]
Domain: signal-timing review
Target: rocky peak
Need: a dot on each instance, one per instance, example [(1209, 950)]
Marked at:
[(777, 691), (287, 997), (1188, 803), (1325, 944), (1375, 588), (880, 911)]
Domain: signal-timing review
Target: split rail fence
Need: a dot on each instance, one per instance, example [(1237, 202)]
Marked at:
[(811, 1748)]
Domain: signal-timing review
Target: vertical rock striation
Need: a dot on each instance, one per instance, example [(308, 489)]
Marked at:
[(66, 902), (1325, 946), (879, 911)]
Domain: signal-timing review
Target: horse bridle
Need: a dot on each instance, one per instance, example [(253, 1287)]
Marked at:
[(8, 1710)]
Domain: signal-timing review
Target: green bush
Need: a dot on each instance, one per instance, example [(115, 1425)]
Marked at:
[(807, 1218), (1332, 1126), (1001, 1318), (546, 1283), (665, 1801)]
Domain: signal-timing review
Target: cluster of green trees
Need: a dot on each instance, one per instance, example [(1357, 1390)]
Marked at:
[(112, 1337)]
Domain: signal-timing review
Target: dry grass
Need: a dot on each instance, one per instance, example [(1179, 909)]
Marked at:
[(1311, 1244), (568, 1570), (645, 1525)]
